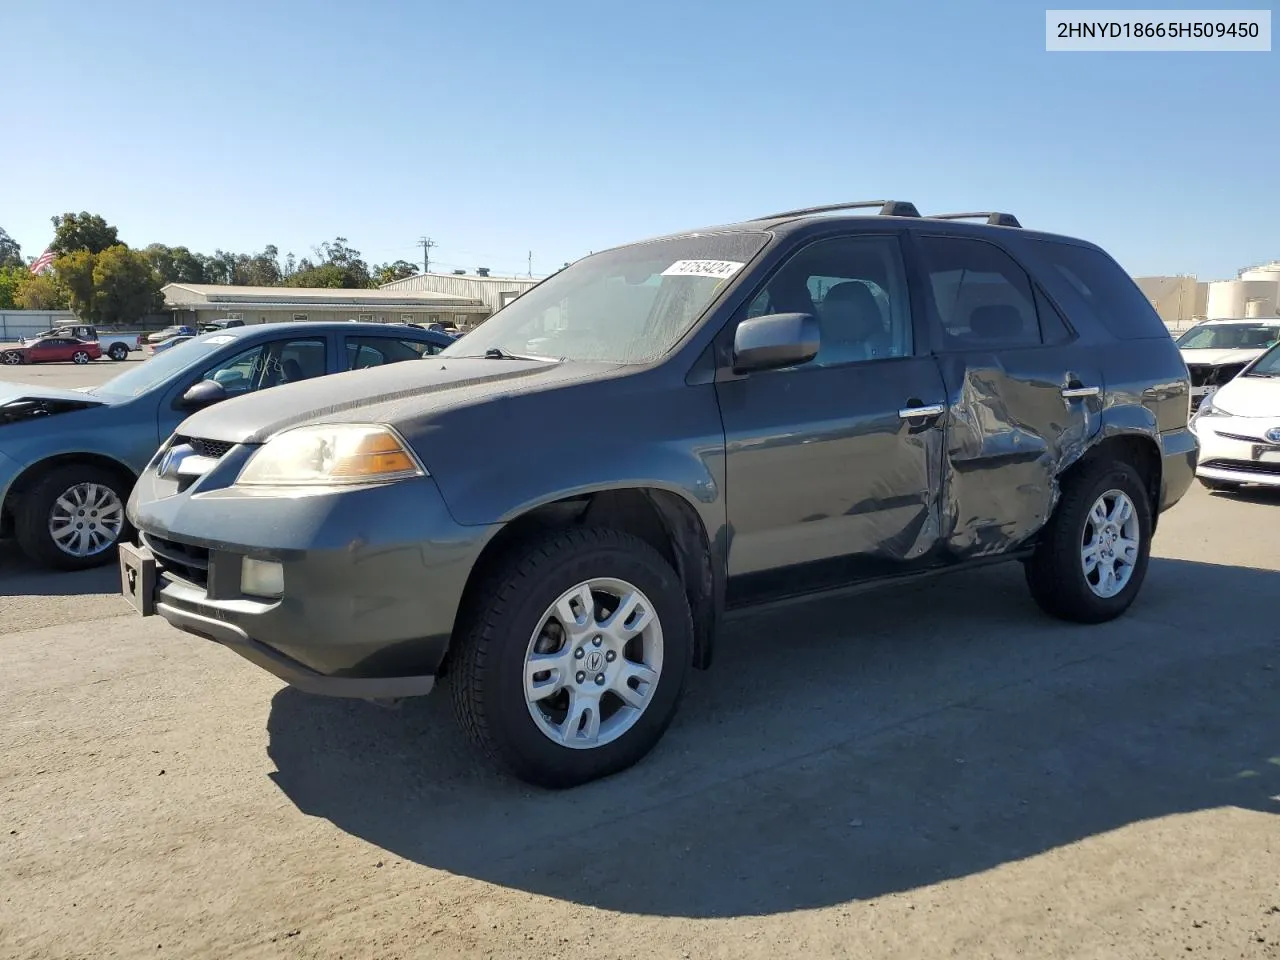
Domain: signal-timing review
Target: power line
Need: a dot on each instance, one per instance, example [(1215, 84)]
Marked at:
[(426, 243)]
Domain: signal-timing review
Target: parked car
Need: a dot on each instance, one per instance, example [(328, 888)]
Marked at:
[(1239, 428), (68, 458), (564, 508), (50, 350), (176, 331), (212, 326), (1216, 350), (163, 345), (117, 346)]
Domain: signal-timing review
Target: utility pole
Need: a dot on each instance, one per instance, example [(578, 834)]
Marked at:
[(530, 263), (426, 243)]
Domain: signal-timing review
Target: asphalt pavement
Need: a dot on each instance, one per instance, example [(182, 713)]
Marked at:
[(932, 770)]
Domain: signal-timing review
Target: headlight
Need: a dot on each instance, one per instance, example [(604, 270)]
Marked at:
[(330, 454)]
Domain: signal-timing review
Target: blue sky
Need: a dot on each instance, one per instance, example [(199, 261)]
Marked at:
[(562, 127)]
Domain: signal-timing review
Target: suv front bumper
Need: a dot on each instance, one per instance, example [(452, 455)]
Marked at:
[(372, 580)]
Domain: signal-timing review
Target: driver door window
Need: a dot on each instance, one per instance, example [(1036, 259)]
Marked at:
[(270, 364), (856, 287)]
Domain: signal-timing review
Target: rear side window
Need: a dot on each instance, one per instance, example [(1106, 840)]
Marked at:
[(984, 298), (1107, 291)]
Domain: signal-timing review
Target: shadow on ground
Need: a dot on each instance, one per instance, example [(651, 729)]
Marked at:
[(20, 577), (845, 751)]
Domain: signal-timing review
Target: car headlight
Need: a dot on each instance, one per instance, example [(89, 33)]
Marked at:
[(328, 454)]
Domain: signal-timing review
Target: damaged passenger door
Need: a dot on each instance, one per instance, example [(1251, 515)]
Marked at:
[(1025, 395), (833, 466)]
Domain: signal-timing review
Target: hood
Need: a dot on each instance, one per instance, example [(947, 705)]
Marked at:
[(1249, 397), (1218, 358), (19, 401), (394, 394)]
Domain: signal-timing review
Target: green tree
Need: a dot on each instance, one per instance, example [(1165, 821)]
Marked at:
[(10, 251), (82, 231), (176, 264), (75, 272), (340, 266), (400, 270), (10, 279), (125, 286), (40, 292)]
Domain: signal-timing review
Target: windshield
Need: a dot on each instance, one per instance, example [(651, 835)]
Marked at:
[(629, 305), (163, 366), (1230, 336), (1267, 365)]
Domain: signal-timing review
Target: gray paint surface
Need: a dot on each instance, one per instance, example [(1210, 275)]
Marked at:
[(802, 478)]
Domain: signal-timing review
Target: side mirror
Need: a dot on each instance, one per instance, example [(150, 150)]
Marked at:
[(203, 394), (774, 341)]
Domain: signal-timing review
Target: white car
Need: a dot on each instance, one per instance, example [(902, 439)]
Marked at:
[(1217, 350), (1239, 428)]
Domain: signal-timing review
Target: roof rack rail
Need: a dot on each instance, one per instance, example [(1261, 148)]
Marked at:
[(888, 208), (994, 219)]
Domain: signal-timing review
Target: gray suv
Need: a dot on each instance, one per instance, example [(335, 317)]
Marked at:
[(559, 511)]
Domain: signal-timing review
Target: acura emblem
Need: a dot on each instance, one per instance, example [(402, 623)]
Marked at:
[(172, 460)]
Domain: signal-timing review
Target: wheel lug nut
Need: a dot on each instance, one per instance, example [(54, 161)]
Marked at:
[(599, 679), (611, 656), (579, 653), (595, 641), (580, 677)]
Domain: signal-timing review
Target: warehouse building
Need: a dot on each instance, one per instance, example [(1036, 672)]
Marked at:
[(196, 303), (494, 292)]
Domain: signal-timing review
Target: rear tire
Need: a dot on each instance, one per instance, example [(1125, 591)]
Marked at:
[(1220, 486), (507, 627), (1058, 574), (34, 515), (118, 352), (81, 357)]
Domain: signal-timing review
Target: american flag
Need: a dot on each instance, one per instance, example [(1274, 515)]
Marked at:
[(43, 262)]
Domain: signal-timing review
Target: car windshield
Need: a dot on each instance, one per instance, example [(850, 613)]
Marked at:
[(1230, 336), (1267, 365), (163, 366), (627, 305)]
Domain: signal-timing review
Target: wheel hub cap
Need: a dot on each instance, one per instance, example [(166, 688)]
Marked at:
[(86, 519), (1111, 544), (593, 663)]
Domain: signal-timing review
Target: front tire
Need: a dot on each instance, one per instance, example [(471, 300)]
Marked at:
[(13, 358), (1093, 555), (73, 517), (572, 657)]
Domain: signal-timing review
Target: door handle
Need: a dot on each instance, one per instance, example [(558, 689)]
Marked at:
[(1076, 390), (922, 410)]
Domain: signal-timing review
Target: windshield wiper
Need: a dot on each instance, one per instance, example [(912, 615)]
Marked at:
[(497, 353)]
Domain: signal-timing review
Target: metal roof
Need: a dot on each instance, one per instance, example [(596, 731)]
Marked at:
[(193, 295)]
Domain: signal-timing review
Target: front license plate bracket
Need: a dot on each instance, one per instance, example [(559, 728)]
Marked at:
[(138, 578)]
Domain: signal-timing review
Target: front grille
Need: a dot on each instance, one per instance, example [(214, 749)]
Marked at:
[(214, 449), (1244, 466), (182, 560), (1199, 374), (1207, 375)]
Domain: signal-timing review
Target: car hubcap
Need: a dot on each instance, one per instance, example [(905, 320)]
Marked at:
[(81, 358), (86, 519), (593, 663), (1109, 549), (12, 358)]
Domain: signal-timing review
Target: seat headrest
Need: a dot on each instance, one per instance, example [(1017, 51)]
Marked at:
[(996, 321), (851, 293)]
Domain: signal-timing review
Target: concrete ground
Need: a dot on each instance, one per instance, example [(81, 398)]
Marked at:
[(935, 770)]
